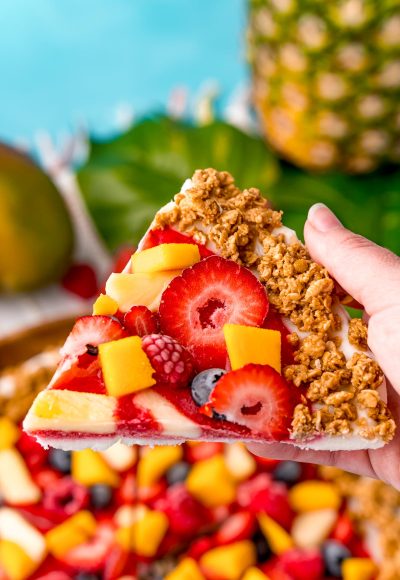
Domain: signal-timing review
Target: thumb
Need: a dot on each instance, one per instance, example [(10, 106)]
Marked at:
[(370, 273)]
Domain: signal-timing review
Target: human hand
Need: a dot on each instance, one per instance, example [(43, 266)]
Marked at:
[(371, 275)]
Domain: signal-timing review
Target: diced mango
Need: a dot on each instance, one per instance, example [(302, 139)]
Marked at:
[(211, 482), (9, 433), (165, 257), (359, 569), (155, 463), (139, 289), (126, 367), (254, 574), (148, 533), (105, 305), (14, 561), (240, 463), (277, 537), (314, 495), (229, 562), (74, 531), (187, 569), (249, 344), (89, 468)]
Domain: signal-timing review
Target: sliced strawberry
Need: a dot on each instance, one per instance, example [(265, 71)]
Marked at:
[(274, 322), (196, 305), (303, 564), (91, 330), (169, 236), (139, 321), (92, 555), (80, 280), (34, 454), (200, 547), (255, 396), (115, 563), (83, 374), (273, 500), (344, 529), (251, 487), (239, 526)]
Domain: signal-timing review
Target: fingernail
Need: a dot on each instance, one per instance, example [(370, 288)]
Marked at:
[(321, 218)]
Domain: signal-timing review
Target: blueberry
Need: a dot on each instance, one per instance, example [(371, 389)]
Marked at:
[(177, 472), (262, 547), (288, 472), (204, 383), (334, 553), (100, 495), (60, 460)]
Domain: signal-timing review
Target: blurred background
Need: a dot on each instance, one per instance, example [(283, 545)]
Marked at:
[(106, 108)]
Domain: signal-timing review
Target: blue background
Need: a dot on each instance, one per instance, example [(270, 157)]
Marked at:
[(64, 62)]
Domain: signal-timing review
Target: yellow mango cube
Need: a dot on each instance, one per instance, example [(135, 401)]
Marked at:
[(358, 569), (314, 495), (105, 306), (211, 483), (187, 569), (139, 289), (277, 537), (126, 367), (254, 574), (249, 344), (14, 561), (9, 433), (229, 562), (74, 531), (148, 533), (90, 468), (165, 257), (155, 463)]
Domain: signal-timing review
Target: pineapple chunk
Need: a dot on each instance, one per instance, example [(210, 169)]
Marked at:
[(229, 562), (211, 482), (249, 344), (14, 561), (165, 257), (139, 289), (16, 484), (76, 530), (125, 366), (89, 468), (105, 305)]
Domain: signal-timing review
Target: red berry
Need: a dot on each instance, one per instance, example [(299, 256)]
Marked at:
[(80, 280), (239, 526), (139, 321), (195, 306), (199, 451), (248, 489), (47, 477), (255, 396), (186, 515), (83, 374), (274, 322), (172, 363), (92, 330), (115, 563), (34, 455), (67, 497), (152, 493), (122, 257), (200, 547), (170, 236), (273, 500), (303, 564), (92, 556), (343, 530)]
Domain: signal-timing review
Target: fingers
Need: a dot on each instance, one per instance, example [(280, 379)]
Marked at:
[(356, 462), (369, 273)]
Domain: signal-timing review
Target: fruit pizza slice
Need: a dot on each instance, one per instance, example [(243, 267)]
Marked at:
[(221, 327)]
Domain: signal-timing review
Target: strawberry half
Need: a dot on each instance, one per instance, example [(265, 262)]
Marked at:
[(196, 305), (255, 396), (139, 321), (92, 330)]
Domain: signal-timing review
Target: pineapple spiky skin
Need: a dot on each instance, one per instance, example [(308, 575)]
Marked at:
[(326, 80)]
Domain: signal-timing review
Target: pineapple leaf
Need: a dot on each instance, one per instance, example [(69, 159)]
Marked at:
[(125, 180)]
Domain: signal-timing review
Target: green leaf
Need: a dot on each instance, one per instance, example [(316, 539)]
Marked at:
[(126, 179)]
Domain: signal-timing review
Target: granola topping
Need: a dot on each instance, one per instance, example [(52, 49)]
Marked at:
[(243, 228)]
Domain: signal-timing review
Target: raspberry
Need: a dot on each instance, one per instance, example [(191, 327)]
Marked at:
[(66, 497), (172, 362)]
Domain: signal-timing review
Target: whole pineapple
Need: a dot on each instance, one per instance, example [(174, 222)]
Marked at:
[(326, 79)]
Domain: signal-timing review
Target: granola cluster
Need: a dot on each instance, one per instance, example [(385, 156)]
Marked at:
[(242, 227)]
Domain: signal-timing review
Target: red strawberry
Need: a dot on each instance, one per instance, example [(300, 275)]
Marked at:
[(344, 530), (83, 374), (303, 564), (239, 526), (47, 477), (115, 563), (255, 396), (274, 322), (92, 555), (40, 518), (92, 330), (172, 363), (139, 320), (122, 257), (196, 305), (200, 547), (248, 489), (34, 454), (80, 280), (152, 493), (170, 236), (186, 515), (199, 451), (273, 500)]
